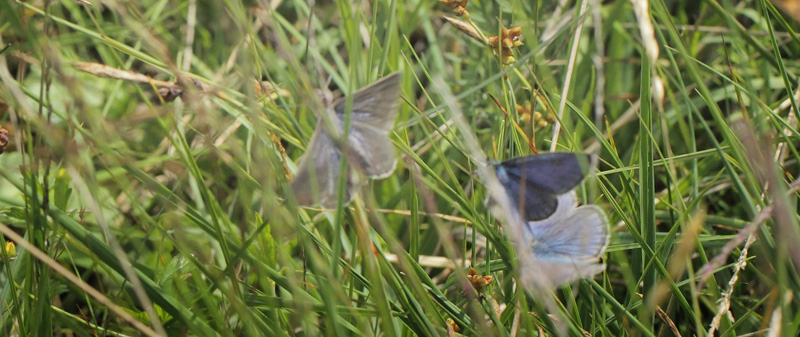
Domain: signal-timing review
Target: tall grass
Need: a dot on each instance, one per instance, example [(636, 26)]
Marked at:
[(174, 217)]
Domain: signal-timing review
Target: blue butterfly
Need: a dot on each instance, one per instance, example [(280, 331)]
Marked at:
[(561, 242)]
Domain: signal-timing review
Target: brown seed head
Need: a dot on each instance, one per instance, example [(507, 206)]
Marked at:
[(459, 7), (3, 139), (479, 282), (505, 42)]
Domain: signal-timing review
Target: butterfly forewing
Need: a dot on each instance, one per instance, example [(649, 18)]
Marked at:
[(553, 173), (531, 203), (374, 106), (534, 182)]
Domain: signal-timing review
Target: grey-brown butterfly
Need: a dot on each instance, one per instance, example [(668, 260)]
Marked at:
[(370, 152)]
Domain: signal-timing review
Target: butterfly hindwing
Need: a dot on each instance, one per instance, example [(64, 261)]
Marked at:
[(317, 177), (582, 235), (567, 245), (372, 150), (557, 271)]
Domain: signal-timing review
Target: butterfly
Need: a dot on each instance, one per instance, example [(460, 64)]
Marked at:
[(561, 242), (369, 151)]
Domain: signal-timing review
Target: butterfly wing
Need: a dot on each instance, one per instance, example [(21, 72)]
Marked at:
[(552, 272), (372, 118), (317, 175), (374, 106), (554, 173), (530, 202), (567, 246), (565, 205), (373, 150), (582, 235), (535, 181)]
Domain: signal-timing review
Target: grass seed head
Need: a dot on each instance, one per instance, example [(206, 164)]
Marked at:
[(459, 7)]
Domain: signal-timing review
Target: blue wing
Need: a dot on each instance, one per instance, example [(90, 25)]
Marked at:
[(534, 182), (581, 235), (566, 246)]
